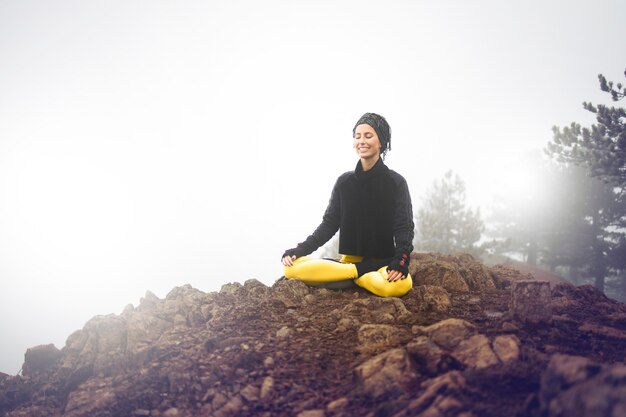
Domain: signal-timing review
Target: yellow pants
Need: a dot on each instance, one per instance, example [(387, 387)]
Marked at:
[(314, 271)]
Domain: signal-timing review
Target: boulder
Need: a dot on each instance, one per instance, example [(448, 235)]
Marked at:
[(530, 301), (431, 358), (458, 273), (578, 387), (388, 373), (375, 337), (40, 358), (475, 352), (447, 333), (432, 298)]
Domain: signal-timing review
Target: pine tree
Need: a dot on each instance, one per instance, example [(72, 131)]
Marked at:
[(601, 148), (444, 224)]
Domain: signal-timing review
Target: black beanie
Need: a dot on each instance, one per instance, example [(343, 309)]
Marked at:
[(380, 125)]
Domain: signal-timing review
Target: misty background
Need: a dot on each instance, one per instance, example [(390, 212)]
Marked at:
[(146, 145)]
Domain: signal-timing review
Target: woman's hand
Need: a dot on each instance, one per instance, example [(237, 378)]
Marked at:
[(393, 275), (288, 260)]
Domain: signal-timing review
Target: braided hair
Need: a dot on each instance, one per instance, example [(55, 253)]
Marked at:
[(380, 125)]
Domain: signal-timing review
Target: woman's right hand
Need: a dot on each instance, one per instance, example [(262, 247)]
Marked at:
[(288, 260)]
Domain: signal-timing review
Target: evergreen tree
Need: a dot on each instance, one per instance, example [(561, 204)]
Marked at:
[(444, 224), (601, 148)]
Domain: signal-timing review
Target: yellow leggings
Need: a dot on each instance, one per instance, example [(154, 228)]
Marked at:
[(314, 271)]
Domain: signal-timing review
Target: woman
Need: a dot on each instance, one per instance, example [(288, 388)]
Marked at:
[(371, 207)]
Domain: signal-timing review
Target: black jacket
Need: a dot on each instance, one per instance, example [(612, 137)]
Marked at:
[(372, 209)]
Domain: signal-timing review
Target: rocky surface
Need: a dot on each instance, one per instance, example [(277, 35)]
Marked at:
[(461, 343)]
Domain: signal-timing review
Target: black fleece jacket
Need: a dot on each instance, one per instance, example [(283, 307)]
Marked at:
[(372, 209)]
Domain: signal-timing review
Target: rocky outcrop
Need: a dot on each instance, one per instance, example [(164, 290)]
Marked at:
[(461, 273), (459, 344)]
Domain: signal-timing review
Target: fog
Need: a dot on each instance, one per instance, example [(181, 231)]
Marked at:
[(146, 145)]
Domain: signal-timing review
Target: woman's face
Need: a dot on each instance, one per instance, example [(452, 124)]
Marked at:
[(366, 142)]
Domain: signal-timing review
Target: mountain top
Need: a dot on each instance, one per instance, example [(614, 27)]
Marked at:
[(469, 340)]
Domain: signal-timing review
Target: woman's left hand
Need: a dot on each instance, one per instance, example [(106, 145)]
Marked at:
[(393, 275)]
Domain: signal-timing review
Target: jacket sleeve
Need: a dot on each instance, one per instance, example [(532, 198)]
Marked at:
[(326, 229), (403, 229)]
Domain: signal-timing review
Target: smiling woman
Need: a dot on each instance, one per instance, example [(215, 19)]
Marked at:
[(371, 206)]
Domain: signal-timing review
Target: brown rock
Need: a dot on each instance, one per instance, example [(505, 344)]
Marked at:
[(376, 310), (374, 337), (604, 331), (577, 387), (90, 398), (312, 413), (439, 397), (231, 408), (506, 347), (292, 290), (386, 373), (338, 404), (284, 332), (447, 333), (432, 298), (458, 273), (267, 389), (475, 352), (427, 354), (530, 301), (231, 288), (250, 393)]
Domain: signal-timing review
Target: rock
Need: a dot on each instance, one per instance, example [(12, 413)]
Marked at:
[(447, 333), (267, 389), (475, 352), (440, 397), (440, 274), (338, 404), (231, 408), (376, 310), (40, 358), (530, 301), (312, 413), (432, 298), (231, 288), (577, 387), (284, 332), (428, 355), (101, 344), (507, 326), (171, 412), (90, 398), (373, 337), (346, 323), (458, 273), (219, 400), (386, 373), (292, 290), (506, 347), (250, 393), (603, 331)]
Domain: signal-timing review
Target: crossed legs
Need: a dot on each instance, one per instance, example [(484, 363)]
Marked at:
[(314, 272)]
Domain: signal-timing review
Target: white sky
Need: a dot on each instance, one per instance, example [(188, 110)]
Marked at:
[(149, 144)]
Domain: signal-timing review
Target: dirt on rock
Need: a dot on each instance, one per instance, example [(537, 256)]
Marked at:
[(453, 346)]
